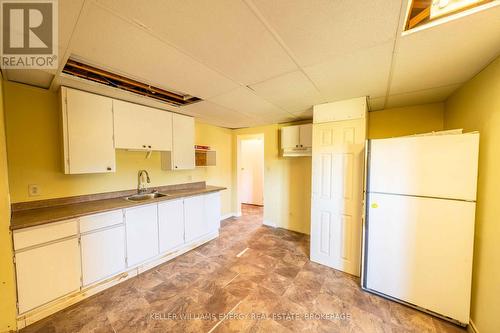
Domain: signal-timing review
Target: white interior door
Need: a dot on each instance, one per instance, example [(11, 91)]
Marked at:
[(252, 171), (420, 250), (337, 194)]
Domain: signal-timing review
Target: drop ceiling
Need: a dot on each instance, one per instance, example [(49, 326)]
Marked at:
[(257, 62)]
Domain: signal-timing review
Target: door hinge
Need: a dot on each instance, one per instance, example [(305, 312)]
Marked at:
[(14, 259)]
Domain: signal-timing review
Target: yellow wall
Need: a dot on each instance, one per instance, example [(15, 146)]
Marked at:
[(287, 182), (7, 287), (405, 121), (476, 106), (33, 144)]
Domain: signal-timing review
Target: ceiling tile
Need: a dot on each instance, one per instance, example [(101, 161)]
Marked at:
[(361, 73), (217, 115), (376, 103), (107, 41), (449, 53), (67, 19), (246, 101), (317, 30), (35, 77), (306, 114), (224, 34), (432, 95), (293, 92)]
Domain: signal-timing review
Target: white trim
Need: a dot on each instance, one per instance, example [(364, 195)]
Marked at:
[(229, 215), (472, 328), (269, 223), (44, 311)]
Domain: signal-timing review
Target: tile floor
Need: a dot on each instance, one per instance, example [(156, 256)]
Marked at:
[(270, 287)]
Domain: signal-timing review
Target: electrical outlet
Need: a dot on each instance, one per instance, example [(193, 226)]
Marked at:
[(33, 190)]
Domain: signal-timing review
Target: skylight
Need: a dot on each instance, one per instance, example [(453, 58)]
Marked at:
[(425, 11)]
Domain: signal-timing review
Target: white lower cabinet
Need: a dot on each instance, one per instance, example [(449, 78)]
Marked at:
[(142, 233), (171, 224), (47, 272), (194, 220), (52, 263), (201, 215), (212, 211), (103, 254)]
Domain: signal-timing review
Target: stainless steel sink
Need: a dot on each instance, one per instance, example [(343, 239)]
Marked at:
[(145, 196)]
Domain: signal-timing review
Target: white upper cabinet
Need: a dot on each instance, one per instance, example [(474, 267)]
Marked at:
[(182, 155), (87, 123), (290, 137), (305, 140), (141, 127), (296, 140)]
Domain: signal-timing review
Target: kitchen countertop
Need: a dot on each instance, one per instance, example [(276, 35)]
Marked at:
[(38, 216)]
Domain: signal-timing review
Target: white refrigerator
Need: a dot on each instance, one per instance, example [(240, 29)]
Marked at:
[(419, 221)]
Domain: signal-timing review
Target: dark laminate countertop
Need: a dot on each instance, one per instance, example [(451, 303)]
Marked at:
[(38, 216)]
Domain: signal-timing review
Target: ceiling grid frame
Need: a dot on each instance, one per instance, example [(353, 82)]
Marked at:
[(144, 27)]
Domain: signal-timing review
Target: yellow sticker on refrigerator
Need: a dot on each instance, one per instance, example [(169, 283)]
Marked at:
[(374, 205)]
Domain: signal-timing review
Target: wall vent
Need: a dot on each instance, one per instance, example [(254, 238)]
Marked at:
[(83, 71)]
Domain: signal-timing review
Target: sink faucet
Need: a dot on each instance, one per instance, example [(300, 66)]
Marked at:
[(141, 186)]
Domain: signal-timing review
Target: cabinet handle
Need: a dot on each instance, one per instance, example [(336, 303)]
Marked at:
[(143, 146), (108, 168), (176, 166), (149, 146)]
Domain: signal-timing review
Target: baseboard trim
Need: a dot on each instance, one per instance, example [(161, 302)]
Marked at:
[(228, 215), (471, 328), (48, 309), (269, 224)]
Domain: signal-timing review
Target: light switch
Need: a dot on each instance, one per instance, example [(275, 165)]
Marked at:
[(33, 190)]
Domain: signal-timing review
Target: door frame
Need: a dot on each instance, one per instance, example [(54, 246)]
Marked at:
[(240, 138)]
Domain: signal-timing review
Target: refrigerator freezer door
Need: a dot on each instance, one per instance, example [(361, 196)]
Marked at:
[(419, 250), (443, 166)]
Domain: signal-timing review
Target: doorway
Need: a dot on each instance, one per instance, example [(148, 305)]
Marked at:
[(250, 159)]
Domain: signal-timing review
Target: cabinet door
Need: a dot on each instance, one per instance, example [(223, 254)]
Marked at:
[(88, 132), (290, 137), (171, 224), (194, 218), (213, 211), (183, 142), (141, 127), (103, 254), (305, 136), (47, 273), (142, 233)]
